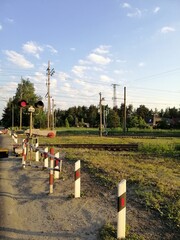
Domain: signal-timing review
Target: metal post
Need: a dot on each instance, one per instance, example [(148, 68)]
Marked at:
[(124, 110), (100, 111)]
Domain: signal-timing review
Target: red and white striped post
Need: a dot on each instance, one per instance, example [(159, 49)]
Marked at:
[(121, 218), (77, 177), (24, 153), (46, 160), (15, 137), (56, 173), (37, 152), (51, 172)]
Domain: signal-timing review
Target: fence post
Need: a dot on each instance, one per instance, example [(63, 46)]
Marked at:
[(46, 160), (37, 152), (24, 153), (121, 218), (51, 172), (15, 137), (56, 173), (77, 177)]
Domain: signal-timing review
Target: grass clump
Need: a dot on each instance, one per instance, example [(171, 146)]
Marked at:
[(109, 232)]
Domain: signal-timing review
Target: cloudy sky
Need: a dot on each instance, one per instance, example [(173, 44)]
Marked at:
[(92, 45)]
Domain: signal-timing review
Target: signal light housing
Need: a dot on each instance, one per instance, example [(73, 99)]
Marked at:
[(23, 103), (39, 104)]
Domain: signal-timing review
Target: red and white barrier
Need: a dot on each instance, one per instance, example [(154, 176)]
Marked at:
[(77, 176), (121, 218), (52, 162), (51, 172)]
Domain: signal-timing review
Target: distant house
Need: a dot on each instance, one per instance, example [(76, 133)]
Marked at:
[(171, 122)]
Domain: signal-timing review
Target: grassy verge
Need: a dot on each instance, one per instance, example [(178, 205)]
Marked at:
[(117, 132), (153, 171)]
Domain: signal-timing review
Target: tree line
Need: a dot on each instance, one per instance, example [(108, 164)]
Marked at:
[(83, 116)]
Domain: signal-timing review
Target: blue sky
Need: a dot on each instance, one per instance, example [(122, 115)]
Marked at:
[(92, 45)]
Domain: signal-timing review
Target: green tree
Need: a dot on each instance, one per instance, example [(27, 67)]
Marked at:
[(113, 120), (25, 91), (93, 116), (66, 123), (143, 112)]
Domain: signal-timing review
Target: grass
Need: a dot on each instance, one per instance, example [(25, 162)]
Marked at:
[(153, 172), (117, 132), (108, 232)]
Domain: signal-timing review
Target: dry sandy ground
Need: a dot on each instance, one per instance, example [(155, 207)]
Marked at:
[(27, 211)]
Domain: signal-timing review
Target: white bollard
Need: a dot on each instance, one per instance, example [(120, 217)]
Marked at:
[(56, 173), (15, 138), (24, 153), (51, 172), (46, 160), (77, 177), (60, 166), (121, 218), (37, 152)]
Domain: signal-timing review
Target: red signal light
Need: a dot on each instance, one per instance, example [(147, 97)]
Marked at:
[(22, 103)]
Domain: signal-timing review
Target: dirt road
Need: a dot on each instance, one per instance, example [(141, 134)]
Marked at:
[(27, 211)]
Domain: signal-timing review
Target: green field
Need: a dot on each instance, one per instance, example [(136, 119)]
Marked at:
[(152, 173)]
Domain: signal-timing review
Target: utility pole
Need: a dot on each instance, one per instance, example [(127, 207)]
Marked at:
[(114, 95), (49, 74), (12, 105), (100, 109), (53, 105), (124, 110), (21, 93)]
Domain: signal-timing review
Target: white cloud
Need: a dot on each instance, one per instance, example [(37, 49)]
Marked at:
[(135, 13), (52, 49), (73, 49), (121, 61), (167, 29), (141, 64), (105, 78), (32, 48), (126, 5), (102, 49), (98, 59), (18, 59), (9, 20), (79, 70), (1, 27), (62, 76), (120, 72), (156, 10)]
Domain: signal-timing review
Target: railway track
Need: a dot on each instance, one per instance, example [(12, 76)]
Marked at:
[(110, 147)]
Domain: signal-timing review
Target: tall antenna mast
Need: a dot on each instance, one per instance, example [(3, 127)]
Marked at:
[(114, 95)]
